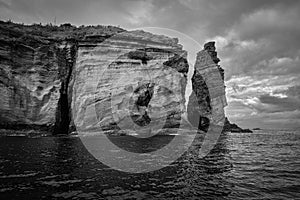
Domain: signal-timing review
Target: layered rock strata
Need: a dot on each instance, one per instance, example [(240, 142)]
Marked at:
[(36, 65), (130, 82), (29, 83)]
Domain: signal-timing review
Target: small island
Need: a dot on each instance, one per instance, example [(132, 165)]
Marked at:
[(233, 128), (256, 129)]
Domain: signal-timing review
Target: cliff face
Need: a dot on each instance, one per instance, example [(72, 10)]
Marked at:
[(36, 65), (130, 80), (53, 78), (29, 82)]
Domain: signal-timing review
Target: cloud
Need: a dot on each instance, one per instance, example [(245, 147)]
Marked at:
[(5, 4), (255, 101), (192, 4), (279, 104), (140, 12), (264, 36), (293, 91)]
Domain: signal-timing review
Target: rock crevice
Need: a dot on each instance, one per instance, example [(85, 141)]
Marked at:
[(66, 54)]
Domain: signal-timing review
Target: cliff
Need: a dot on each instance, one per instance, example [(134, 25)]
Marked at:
[(55, 77), (130, 80), (36, 64)]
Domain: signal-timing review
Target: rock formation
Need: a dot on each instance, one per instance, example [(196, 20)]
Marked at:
[(129, 81), (35, 72), (233, 128), (55, 77), (208, 90)]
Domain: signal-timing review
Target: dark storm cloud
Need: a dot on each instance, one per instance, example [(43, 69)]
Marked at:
[(257, 39), (280, 104), (3, 4), (293, 91)]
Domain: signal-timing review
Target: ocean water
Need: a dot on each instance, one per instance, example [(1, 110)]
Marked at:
[(259, 165)]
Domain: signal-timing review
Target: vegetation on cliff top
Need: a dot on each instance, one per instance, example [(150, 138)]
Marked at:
[(53, 32)]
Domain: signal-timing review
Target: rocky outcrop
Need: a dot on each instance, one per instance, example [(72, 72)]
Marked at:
[(211, 50), (203, 97), (208, 98), (233, 128)]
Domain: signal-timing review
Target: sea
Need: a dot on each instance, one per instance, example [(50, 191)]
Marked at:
[(264, 164)]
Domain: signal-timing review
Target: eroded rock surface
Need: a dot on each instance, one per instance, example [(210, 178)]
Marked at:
[(29, 83), (207, 101), (35, 71), (130, 82)]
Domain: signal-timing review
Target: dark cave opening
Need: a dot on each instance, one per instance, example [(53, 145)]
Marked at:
[(140, 101)]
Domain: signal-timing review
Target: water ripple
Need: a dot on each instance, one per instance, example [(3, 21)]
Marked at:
[(262, 165)]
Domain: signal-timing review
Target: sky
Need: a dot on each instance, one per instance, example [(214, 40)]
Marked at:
[(258, 42)]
